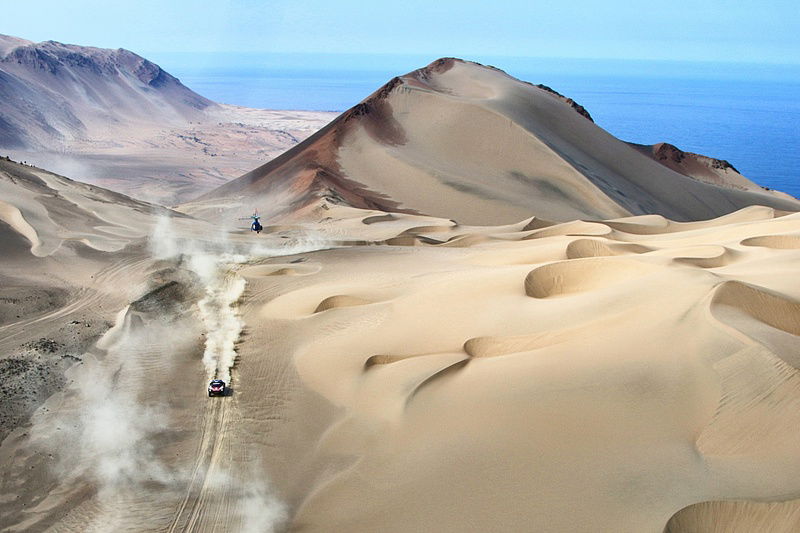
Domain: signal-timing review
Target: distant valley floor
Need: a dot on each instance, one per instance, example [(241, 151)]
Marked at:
[(169, 165)]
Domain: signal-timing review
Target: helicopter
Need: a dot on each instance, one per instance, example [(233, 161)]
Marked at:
[(256, 225)]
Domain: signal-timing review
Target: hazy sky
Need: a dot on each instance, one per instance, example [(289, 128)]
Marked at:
[(731, 30)]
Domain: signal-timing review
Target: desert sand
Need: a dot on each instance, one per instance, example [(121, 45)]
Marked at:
[(400, 372), (605, 345)]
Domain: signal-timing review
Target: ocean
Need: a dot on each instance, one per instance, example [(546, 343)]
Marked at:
[(746, 114)]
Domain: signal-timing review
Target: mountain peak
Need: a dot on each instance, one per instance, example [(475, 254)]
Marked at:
[(56, 91), (8, 43), (497, 148)]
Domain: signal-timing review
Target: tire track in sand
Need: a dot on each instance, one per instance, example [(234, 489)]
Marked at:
[(207, 456), (209, 481)]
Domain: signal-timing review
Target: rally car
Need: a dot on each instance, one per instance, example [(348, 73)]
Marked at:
[(216, 388)]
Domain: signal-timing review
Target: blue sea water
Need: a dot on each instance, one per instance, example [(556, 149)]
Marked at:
[(746, 114)]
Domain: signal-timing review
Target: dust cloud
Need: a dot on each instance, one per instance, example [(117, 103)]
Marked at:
[(113, 429), (215, 261)]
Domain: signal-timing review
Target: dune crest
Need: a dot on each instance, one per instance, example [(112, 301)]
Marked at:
[(578, 275), (13, 217)]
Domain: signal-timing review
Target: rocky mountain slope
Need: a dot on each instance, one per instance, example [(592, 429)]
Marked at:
[(52, 92), (115, 119)]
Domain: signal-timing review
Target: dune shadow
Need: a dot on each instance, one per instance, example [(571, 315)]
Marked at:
[(437, 377), (340, 300), (723, 256), (759, 304), (583, 248), (778, 242), (582, 275)]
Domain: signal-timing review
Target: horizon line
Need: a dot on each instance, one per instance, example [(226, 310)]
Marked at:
[(467, 57)]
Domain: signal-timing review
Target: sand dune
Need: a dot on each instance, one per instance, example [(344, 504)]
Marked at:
[(459, 140), (559, 279), (774, 241), (597, 248), (51, 211), (477, 354), (397, 370)]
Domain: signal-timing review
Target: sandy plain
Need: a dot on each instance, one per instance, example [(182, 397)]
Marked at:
[(173, 164)]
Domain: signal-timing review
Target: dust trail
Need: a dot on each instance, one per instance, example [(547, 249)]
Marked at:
[(106, 433), (114, 436), (115, 427), (257, 508), (261, 511), (214, 261), (111, 431), (222, 323)]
